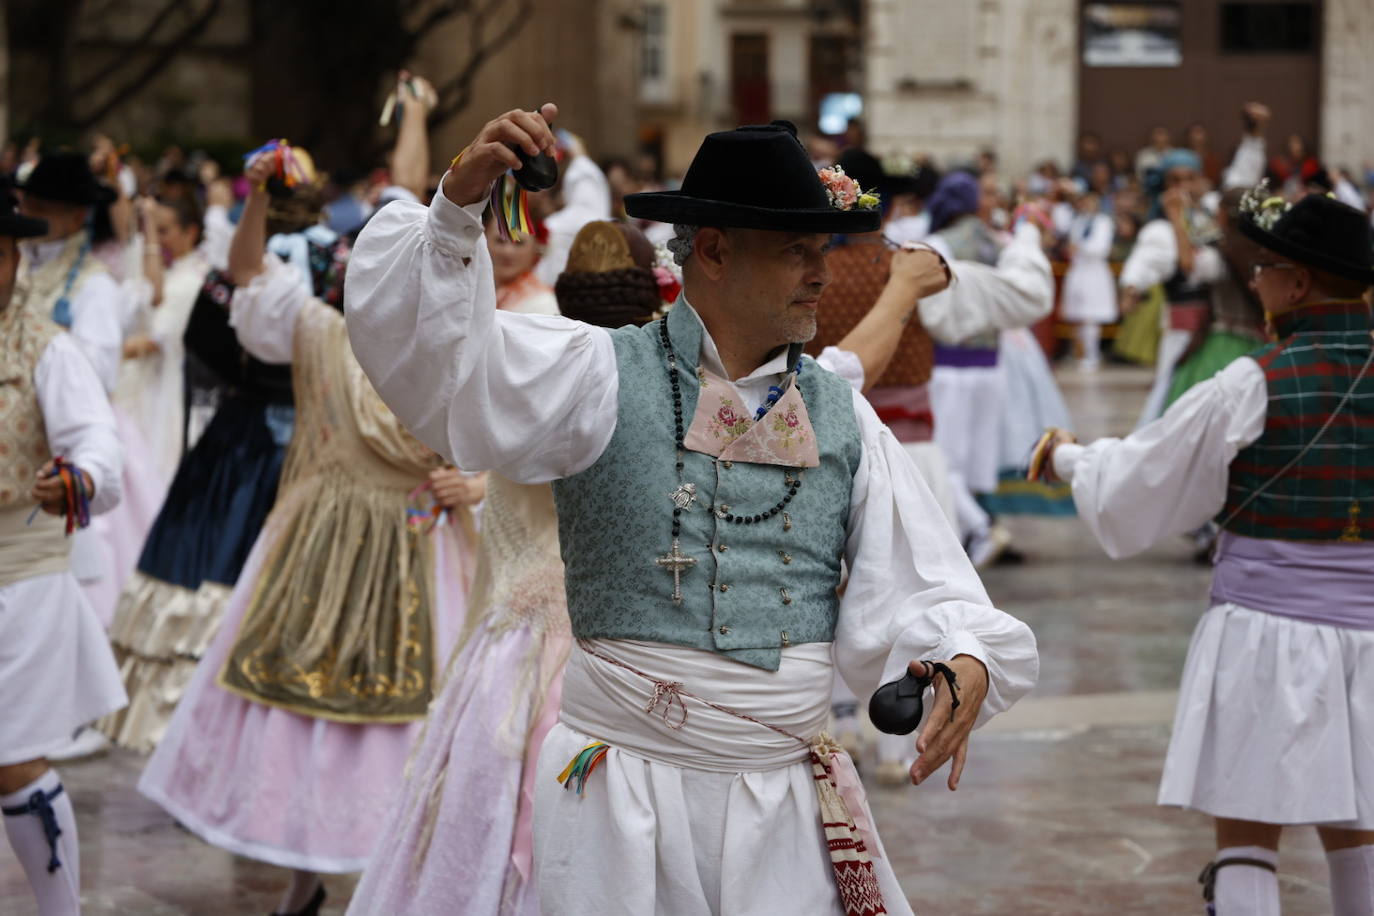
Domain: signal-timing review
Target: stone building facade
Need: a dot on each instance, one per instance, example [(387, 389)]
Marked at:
[(952, 79), (944, 77)]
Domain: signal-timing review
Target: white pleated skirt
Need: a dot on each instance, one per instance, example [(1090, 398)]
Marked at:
[(1275, 722), (967, 404), (57, 672)]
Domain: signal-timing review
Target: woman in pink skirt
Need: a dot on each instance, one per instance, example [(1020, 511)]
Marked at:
[(292, 738)]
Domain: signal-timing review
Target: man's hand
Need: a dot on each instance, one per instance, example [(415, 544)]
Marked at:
[(452, 488), (51, 493), (489, 154), (941, 738), (922, 269), (1060, 437)]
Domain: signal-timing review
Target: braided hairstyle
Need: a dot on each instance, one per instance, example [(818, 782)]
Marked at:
[(609, 280), (296, 208)]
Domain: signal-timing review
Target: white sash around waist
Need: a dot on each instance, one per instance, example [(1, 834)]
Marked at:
[(31, 550), (609, 703)]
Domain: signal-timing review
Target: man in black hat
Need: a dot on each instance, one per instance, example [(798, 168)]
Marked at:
[(56, 669), (710, 481), (59, 276), (1274, 724)]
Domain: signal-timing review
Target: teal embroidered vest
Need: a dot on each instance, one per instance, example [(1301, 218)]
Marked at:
[(1329, 494), (755, 588)]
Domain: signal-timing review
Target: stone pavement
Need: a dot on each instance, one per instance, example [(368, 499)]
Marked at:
[(1055, 814)]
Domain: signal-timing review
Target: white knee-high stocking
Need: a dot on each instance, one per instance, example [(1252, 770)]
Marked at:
[(1352, 881), (1247, 890), (52, 863)]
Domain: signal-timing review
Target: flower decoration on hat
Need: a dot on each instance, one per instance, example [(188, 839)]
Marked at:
[(1263, 208), (667, 274), (844, 192)]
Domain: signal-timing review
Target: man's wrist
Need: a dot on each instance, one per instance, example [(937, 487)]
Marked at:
[(460, 192)]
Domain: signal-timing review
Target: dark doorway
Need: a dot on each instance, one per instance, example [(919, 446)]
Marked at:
[(749, 86)]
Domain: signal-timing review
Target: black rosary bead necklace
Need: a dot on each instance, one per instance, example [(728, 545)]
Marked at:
[(686, 493)]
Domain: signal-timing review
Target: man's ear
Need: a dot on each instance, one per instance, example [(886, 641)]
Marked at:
[(711, 250), (1305, 282)]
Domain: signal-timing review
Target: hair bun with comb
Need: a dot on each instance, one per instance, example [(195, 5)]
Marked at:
[(609, 279)]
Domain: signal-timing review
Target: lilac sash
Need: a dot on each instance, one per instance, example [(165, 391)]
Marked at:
[(1325, 582), (965, 357)]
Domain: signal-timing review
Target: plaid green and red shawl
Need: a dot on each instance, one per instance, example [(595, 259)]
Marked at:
[(1329, 494)]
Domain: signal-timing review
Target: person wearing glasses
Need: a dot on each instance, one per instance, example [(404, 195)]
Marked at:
[(1274, 723)]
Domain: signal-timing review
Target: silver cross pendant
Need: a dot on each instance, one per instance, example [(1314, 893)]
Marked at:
[(677, 563)]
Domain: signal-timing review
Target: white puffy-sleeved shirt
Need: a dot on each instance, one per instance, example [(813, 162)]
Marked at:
[(1170, 476), (1154, 258), (534, 398), (1016, 293), (79, 421), (98, 312)]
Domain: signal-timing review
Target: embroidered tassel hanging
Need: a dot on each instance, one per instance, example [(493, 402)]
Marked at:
[(580, 767), (855, 877)]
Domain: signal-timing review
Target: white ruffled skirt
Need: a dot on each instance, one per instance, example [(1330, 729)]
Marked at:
[(1275, 722)]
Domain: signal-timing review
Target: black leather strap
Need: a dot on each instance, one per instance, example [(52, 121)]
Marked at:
[(953, 682), (1208, 878)]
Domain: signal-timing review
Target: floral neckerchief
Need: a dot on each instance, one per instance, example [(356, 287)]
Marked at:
[(723, 428)]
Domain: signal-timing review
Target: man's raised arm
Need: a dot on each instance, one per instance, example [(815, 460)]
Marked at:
[(531, 397)]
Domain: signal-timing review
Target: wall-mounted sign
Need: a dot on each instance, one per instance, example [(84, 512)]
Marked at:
[(1132, 34)]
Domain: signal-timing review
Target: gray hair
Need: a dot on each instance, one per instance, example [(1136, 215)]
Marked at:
[(680, 245)]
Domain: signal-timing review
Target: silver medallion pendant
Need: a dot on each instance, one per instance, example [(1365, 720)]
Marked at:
[(684, 496)]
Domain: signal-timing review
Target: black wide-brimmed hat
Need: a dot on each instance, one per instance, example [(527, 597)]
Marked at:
[(66, 176), (1318, 231), (757, 177), (14, 225)]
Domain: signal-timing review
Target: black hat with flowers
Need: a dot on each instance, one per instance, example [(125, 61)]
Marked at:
[(760, 177), (1317, 231)]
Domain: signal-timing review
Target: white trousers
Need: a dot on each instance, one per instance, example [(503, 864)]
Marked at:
[(719, 816)]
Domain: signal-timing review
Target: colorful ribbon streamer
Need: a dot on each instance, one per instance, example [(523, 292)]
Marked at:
[(580, 767), (289, 168), (77, 502), (511, 207), (424, 518)]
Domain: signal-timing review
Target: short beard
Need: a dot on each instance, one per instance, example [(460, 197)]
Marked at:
[(798, 329)]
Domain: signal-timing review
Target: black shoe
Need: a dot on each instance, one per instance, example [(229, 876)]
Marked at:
[(310, 909), (1011, 557)]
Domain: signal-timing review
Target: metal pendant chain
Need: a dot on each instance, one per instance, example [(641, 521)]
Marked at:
[(686, 493)]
